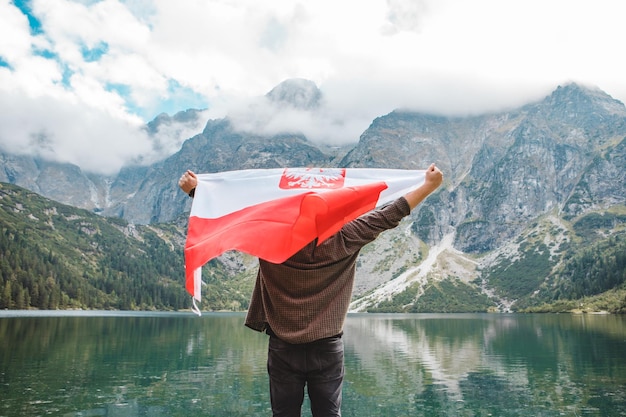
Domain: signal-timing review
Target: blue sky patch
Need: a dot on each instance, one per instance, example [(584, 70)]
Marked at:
[(180, 98), (4, 63), (33, 22), (45, 53), (95, 53), (67, 74), (122, 89)]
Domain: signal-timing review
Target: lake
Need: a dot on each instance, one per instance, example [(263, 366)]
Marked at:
[(127, 364)]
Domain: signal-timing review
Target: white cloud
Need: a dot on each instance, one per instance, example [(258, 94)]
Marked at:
[(85, 76), (69, 132)]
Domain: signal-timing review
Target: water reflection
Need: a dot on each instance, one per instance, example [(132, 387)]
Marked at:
[(138, 364), (498, 364)]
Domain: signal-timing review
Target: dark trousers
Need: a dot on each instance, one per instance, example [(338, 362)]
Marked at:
[(317, 365)]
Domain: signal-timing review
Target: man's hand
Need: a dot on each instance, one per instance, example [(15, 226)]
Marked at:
[(188, 181), (434, 178)]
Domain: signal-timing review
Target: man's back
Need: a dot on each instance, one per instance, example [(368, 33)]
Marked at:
[(306, 298)]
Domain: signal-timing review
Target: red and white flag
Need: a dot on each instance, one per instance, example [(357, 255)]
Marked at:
[(273, 213)]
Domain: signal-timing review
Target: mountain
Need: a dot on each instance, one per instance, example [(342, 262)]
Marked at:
[(296, 93), (55, 256), (517, 185), (534, 198)]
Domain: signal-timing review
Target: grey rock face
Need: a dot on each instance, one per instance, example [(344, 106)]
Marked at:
[(565, 153), (561, 157)]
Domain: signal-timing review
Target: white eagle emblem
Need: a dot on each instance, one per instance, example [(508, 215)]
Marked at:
[(312, 178)]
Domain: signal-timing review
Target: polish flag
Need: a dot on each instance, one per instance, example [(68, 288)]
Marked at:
[(273, 213)]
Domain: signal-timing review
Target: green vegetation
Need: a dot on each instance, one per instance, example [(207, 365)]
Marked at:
[(54, 256), (591, 226), (451, 296), (612, 301), (446, 296), (596, 269), (592, 273), (519, 277), (399, 303)]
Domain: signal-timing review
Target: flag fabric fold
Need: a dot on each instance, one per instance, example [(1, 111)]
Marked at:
[(273, 213)]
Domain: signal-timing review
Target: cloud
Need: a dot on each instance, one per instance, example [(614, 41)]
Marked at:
[(76, 75), (61, 131), (404, 15)]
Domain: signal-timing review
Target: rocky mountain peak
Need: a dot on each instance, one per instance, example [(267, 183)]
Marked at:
[(297, 93), (182, 117), (583, 106), (518, 185), (576, 93)]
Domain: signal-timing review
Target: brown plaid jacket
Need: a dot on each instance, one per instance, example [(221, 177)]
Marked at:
[(307, 297)]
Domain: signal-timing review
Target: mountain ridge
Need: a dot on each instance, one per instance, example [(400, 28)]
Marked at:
[(538, 170)]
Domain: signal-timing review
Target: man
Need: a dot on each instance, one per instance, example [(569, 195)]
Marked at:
[(302, 304)]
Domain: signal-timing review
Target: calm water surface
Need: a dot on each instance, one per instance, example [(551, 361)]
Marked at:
[(122, 364)]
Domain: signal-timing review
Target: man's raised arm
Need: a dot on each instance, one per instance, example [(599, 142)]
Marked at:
[(434, 178)]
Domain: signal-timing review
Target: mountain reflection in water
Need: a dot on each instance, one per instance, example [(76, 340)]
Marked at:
[(176, 364)]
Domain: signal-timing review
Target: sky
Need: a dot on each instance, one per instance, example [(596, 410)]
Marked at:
[(79, 79)]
